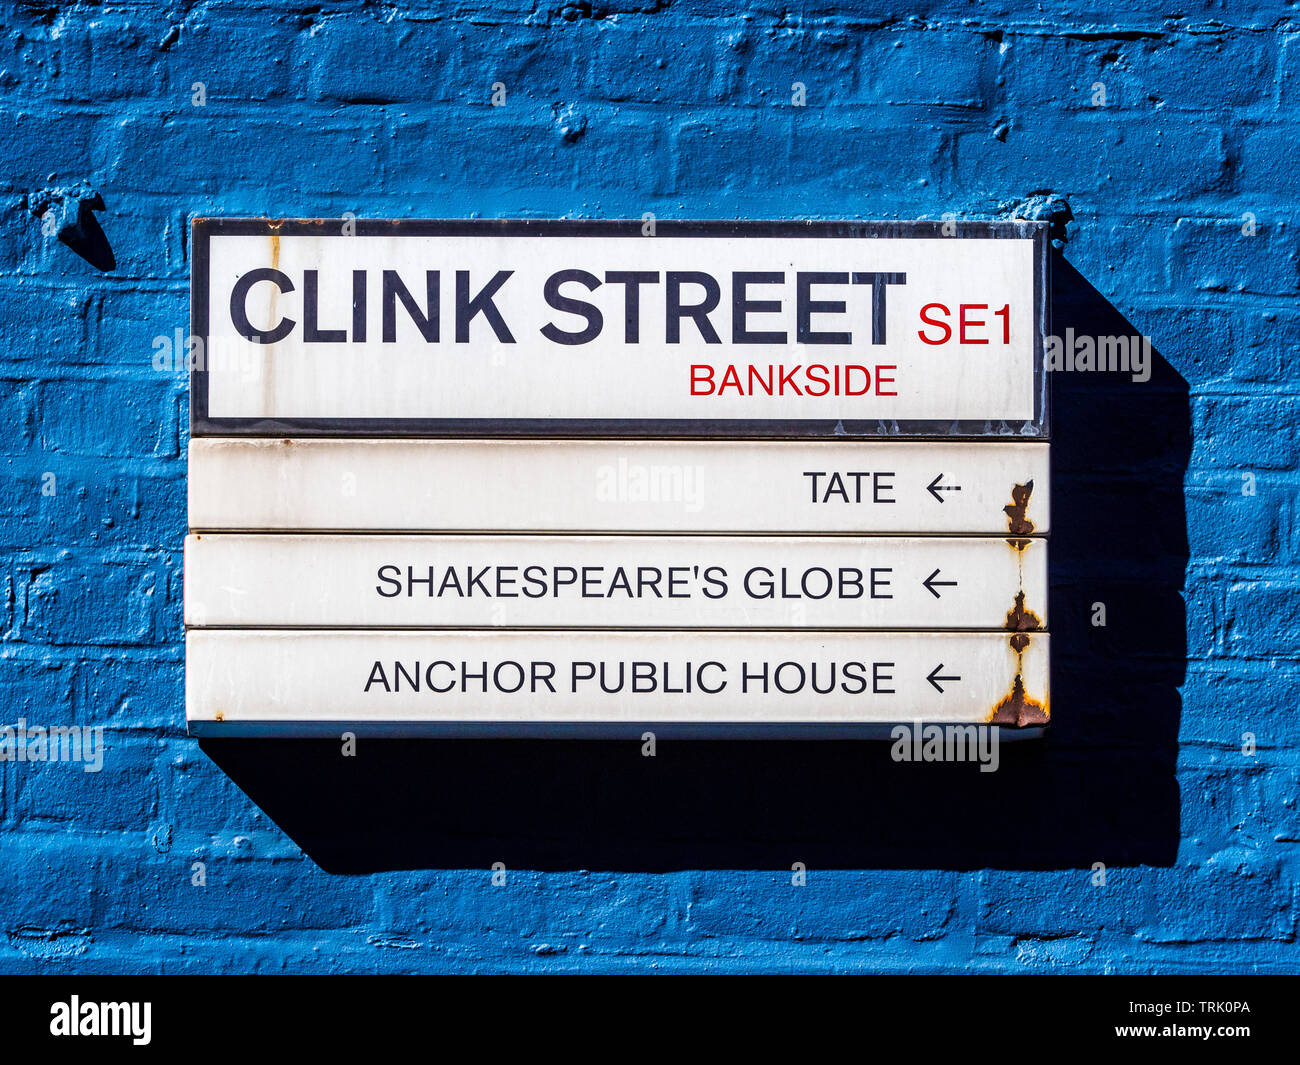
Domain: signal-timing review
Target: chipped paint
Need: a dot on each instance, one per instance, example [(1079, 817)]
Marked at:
[(1018, 709), (1020, 618), (268, 366), (1017, 510)]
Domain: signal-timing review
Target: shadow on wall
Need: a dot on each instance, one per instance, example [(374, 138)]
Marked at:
[(1101, 787)]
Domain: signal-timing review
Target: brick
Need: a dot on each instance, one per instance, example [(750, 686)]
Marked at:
[(1262, 698), (49, 887), (1216, 256), (1245, 433), (1262, 619), (1226, 525), (817, 150), (1096, 155), (105, 418), (760, 66), (1062, 903), (112, 602), (1236, 895), (44, 318), (296, 155), (92, 503), (359, 61), (1261, 340), (121, 797), (47, 145), (769, 907), (1162, 72), (931, 68)]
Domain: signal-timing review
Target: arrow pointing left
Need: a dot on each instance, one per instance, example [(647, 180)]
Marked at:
[(930, 584), (935, 677)]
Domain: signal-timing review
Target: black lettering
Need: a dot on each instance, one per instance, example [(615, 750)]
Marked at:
[(633, 280), (595, 321), (806, 307), (426, 321), (878, 282), (239, 312), (311, 333), (698, 313), (741, 307), (467, 309)]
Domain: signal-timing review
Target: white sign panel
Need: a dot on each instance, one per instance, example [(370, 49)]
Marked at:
[(459, 328), (248, 680), (619, 486), (259, 581), (509, 477)]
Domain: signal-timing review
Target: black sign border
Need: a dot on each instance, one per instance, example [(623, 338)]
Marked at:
[(203, 424)]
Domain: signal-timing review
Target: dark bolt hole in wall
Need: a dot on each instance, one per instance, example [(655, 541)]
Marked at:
[(1100, 787)]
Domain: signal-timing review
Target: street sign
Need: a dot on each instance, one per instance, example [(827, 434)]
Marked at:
[(674, 582), (249, 680), (619, 486), (564, 328), (583, 478)]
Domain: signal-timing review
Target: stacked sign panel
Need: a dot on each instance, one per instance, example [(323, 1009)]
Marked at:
[(583, 477)]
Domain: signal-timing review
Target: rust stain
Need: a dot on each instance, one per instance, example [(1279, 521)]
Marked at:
[(268, 381), (220, 716), (1021, 619), (1018, 709), (1017, 522)]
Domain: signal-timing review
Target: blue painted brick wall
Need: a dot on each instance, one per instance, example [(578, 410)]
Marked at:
[(615, 862)]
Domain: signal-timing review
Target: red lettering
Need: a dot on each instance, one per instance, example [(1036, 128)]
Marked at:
[(972, 323), (817, 375), (1005, 315), (925, 317), (765, 383), (701, 375), (883, 380), (849, 390), (787, 378), (731, 379)]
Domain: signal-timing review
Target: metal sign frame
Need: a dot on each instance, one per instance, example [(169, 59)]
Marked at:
[(204, 424)]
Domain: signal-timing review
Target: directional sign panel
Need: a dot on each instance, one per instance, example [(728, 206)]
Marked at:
[(615, 328), (250, 680), (559, 477), (674, 582), (619, 486)]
